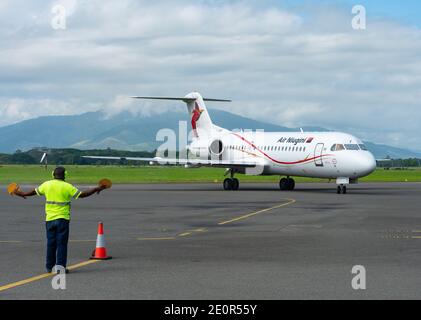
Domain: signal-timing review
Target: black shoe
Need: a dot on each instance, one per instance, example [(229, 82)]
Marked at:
[(67, 271)]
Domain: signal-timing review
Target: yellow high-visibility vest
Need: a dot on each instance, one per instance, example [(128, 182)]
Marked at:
[(58, 195)]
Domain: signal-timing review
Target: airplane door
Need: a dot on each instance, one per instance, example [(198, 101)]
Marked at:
[(318, 153)]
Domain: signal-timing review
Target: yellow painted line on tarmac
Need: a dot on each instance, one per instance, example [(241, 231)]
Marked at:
[(16, 241), (82, 264), (156, 239), (200, 230), (43, 276), (191, 232), (416, 237), (23, 282), (185, 234), (244, 217)]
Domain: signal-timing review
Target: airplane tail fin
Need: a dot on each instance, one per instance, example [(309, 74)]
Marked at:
[(199, 116)]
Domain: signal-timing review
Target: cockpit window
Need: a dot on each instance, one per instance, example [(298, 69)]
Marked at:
[(363, 147), (354, 147), (337, 147)]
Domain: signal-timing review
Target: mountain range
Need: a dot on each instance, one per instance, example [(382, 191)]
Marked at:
[(125, 131)]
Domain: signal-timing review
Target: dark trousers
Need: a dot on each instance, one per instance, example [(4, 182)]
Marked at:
[(57, 239)]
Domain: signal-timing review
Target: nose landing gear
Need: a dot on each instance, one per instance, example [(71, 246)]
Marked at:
[(342, 189), (342, 183)]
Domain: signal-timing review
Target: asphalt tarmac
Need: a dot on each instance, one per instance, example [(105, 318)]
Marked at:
[(196, 241)]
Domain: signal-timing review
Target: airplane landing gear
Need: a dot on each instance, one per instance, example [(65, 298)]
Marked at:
[(287, 184), (342, 189), (342, 183), (232, 184), (236, 184)]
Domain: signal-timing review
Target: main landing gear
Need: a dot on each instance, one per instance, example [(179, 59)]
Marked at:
[(287, 184), (232, 184)]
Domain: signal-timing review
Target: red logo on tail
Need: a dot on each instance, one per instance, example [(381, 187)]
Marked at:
[(196, 113)]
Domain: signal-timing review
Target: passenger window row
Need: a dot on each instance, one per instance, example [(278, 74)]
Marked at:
[(270, 148)]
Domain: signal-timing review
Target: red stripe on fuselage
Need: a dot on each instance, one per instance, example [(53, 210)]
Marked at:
[(277, 161)]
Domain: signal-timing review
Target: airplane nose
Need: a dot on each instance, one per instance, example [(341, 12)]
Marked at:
[(367, 164)]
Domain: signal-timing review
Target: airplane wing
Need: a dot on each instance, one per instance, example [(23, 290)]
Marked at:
[(120, 158), (244, 163), (181, 99)]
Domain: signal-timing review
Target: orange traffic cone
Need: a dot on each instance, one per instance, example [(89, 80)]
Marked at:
[(100, 252)]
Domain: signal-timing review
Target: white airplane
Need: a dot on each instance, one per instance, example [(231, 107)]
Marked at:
[(329, 155)]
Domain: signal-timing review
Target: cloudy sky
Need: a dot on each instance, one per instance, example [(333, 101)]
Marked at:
[(293, 63)]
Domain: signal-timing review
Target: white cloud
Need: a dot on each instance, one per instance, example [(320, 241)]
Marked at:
[(292, 68)]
